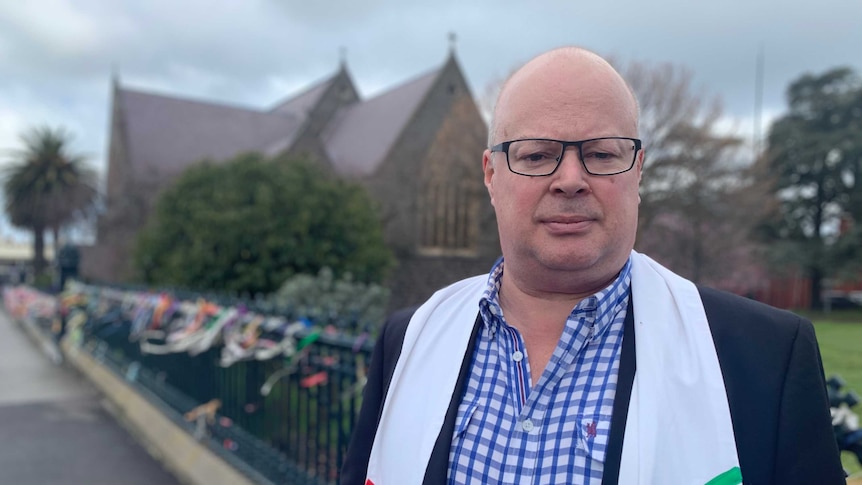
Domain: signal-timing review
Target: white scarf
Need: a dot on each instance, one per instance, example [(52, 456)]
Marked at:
[(678, 431)]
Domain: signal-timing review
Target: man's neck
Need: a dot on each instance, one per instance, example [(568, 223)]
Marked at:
[(539, 316), (535, 312), (545, 305)]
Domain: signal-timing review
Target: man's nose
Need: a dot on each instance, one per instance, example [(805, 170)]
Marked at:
[(571, 176)]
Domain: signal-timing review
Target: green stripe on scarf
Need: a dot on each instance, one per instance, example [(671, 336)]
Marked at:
[(730, 477)]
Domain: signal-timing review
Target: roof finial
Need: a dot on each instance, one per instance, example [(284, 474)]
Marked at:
[(452, 38), (342, 54)]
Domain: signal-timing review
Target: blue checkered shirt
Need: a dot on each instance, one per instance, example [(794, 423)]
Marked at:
[(556, 432)]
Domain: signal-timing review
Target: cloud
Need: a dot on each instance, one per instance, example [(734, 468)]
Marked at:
[(10, 122), (57, 56), (54, 26)]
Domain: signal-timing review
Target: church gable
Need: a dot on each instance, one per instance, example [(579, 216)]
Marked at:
[(431, 180), (451, 196), (321, 107), (360, 136)]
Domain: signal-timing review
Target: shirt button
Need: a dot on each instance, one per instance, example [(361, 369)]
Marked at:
[(517, 356), (527, 425)]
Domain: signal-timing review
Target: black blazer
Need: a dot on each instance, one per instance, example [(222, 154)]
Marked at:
[(772, 373)]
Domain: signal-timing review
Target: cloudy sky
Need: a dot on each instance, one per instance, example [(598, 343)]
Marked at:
[(57, 56)]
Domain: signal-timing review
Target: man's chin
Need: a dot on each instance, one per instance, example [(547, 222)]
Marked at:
[(569, 262), (586, 262)]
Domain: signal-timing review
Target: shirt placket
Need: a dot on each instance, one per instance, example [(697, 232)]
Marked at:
[(574, 341), (526, 435)]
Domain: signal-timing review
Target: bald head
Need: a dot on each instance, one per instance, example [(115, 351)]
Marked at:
[(569, 73)]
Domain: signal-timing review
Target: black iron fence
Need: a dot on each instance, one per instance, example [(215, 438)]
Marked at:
[(287, 419)]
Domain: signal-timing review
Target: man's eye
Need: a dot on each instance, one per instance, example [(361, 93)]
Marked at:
[(599, 156), (536, 157)]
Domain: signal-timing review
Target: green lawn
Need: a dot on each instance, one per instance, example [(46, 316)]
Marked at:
[(840, 338)]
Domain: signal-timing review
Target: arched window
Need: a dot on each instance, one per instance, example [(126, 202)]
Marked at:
[(449, 218)]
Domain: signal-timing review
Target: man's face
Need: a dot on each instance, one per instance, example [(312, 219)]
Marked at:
[(569, 222)]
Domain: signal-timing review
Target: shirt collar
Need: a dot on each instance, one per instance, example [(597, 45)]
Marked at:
[(601, 306)]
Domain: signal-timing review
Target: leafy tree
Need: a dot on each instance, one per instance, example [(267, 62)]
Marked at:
[(46, 187), (249, 224), (815, 154)]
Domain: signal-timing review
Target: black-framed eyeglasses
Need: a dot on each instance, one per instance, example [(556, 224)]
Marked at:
[(537, 157)]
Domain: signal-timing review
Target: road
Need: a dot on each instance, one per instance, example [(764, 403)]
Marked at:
[(53, 427)]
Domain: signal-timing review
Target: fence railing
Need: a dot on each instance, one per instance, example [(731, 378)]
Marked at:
[(288, 417)]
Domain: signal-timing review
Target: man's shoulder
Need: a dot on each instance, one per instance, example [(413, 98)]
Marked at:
[(401, 317), (742, 305), (735, 316), (395, 327)]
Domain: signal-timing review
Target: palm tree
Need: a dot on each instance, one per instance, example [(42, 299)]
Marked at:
[(46, 187)]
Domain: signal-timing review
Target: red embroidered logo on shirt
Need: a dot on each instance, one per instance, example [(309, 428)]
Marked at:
[(368, 481), (591, 430)]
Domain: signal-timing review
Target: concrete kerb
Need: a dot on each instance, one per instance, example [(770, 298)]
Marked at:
[(44, 341), (191, 461)]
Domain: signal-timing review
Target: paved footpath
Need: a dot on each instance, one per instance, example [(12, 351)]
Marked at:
[(53, 429)]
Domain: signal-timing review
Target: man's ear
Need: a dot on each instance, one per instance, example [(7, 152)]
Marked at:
[(640, 169), (640, 164), (488, 168)]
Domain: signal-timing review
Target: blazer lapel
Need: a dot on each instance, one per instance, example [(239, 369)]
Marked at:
[(438, 464), (623, 394)]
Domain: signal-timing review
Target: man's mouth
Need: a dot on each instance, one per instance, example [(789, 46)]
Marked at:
[(567, 224)]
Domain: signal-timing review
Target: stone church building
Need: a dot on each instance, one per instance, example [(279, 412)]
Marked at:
[(416, 147)]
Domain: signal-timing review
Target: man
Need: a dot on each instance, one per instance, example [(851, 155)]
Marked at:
[(578, 360)]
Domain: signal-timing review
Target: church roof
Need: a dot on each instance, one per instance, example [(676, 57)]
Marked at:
[(360, 137), (169, 134), (303, 102)]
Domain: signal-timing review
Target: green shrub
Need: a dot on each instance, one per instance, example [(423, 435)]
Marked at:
[(349, 305)]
